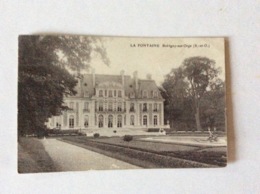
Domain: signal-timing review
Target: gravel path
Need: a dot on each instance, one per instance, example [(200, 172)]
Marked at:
[(73, 158)]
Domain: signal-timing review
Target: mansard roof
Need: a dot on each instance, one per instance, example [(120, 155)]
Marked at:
[(86, 84)]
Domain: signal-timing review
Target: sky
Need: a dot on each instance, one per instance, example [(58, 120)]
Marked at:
[(156, 56)]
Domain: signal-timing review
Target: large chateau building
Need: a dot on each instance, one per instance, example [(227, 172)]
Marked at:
[(112, 101)]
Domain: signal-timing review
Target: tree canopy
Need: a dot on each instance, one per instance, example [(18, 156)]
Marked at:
[(43, 75), (192, 86)]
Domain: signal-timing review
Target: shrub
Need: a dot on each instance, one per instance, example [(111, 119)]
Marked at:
[(128, 138), (96, 135), (153, 130), (114, 131)]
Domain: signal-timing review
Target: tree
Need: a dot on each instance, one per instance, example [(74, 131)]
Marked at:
[(200, 73), (187, 88), (174, 93), (43, 76)]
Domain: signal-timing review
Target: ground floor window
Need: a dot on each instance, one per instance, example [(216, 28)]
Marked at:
[(110, 121), (132, 120), (119, 121), (155, 120), (71, 121), (100, 121), (86, 121), (145, 120)]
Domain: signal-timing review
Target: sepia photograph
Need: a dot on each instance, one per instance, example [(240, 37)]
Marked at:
[(110, 103)]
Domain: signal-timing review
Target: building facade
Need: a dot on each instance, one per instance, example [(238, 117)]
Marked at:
[(112, 101)]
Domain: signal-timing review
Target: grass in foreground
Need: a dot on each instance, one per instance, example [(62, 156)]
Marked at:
[(215, 156), (140, 153), (32, 157)]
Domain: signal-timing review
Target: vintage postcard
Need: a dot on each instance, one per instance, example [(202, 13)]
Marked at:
[(99, 103)]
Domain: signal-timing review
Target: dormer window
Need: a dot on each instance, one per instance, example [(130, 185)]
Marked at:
[(155, 94), (132, 95), (86, 94)]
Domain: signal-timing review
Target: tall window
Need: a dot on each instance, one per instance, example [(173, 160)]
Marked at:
[(110, 121), (100, 94), (100, 108), (119, 106), (119, 93), (132, 120), (155, 120), (155, 94), (86, 121), (132, 107), (115, 93), (71, 121), (110, 106), (100, 121), (58, 122), (119, 121), (110, 93), (155, 107), (145, 107), (72, 105), (86, 106), (145, 94), (145, 120)]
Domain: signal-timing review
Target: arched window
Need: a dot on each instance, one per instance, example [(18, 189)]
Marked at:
[(132, 120), (132, 107), (110, 121), (155, 94), (71, 121), (119, 106), (155, 120), (86, 121), (100, 108), (110, 93), (145, 120), (119, 121), (119, 93), (100, 94), (100, 121)]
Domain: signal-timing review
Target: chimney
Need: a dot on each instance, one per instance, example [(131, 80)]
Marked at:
[(136, 80), (93, 77), (123, 77), (149, 76)]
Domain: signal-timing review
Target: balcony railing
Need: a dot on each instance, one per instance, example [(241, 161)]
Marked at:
[(110, 110)]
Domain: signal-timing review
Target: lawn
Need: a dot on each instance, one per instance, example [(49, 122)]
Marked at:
[(32, 157), (148, 154)]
